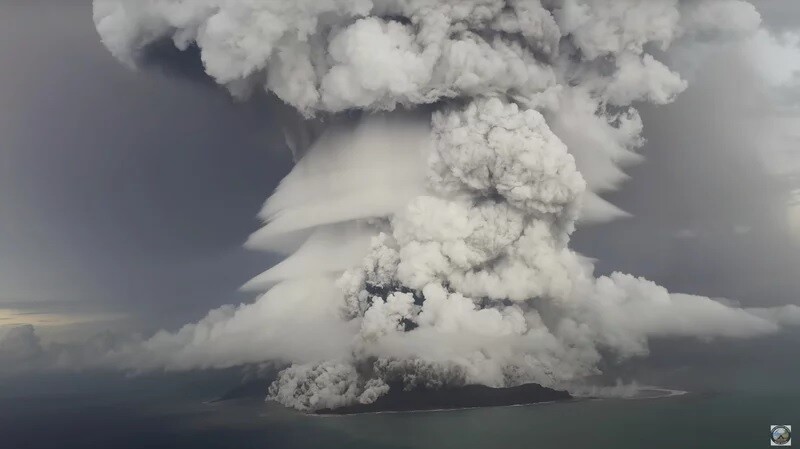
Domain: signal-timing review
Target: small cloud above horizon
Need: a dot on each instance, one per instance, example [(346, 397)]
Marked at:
[(685, 234), (59, 324)]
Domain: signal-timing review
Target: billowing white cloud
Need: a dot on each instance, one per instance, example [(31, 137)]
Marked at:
[(436, 241)]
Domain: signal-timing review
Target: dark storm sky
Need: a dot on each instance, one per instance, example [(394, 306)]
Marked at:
[(132, 193), (121, 191)]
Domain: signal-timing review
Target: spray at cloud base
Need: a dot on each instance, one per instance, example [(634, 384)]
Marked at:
[(434, 227)]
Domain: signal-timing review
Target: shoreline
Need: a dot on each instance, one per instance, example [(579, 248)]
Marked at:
[(398, 399), (659, 393), (440, 410)]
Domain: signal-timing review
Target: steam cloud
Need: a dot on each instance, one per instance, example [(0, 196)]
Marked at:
[(428, 227)]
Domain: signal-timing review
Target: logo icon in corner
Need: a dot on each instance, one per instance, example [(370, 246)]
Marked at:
[(780, 435)]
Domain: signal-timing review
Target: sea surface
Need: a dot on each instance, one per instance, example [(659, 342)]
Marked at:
[(731, 404)]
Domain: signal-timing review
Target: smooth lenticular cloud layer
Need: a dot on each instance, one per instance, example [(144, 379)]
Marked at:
[(467, 138)]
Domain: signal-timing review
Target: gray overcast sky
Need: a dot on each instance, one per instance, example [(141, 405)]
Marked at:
[(120, 191), (131, 193)]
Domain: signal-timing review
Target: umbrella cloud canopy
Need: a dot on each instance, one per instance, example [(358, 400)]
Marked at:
[(457, 144)]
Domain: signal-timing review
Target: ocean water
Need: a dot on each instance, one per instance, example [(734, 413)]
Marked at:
[(732, 420), (731, 403)]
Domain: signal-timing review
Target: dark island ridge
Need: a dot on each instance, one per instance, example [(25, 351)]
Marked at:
[(469, 396)]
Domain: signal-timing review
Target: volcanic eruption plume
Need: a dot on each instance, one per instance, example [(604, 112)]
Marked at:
[(427, 226)]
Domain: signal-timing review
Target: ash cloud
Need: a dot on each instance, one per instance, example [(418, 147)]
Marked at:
[(427, 226)]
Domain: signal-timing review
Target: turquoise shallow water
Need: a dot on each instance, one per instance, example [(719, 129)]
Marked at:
[(732, 401), (724, 421), (720, 420)]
